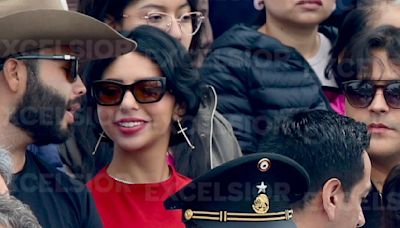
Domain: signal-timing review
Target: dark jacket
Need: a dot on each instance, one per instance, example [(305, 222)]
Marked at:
[(257, 79), (373, 209), (212, 136)]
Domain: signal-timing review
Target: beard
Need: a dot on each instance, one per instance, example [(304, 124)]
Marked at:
[(41, 111)]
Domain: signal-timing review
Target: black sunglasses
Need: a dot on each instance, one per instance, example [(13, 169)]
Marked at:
[(71, 60), (109, 92), (361, 93)]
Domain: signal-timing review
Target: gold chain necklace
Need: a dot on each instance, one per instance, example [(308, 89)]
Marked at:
[(120, 180), (125, 181)]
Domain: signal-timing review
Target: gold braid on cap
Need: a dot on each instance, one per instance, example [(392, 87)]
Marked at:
[(225, 216)]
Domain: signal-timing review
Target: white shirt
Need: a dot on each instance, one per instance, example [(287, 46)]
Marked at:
[(320, 60)]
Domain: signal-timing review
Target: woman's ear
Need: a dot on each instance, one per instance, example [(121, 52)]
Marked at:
[(110, 20), (179, 111)]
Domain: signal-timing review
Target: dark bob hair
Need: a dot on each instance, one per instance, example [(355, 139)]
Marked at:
[(183, 79)]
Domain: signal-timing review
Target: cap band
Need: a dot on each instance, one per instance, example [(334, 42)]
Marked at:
[(225, 216)]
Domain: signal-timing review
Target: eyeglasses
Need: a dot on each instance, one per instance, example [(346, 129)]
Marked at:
[(361, 93), (71, 60), (189, 23), (108, 92)]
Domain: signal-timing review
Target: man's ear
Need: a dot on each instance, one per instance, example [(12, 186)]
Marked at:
[(110, 20), (332, 197), (12, 74)]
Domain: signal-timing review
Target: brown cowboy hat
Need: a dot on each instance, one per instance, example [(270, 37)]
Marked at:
[(27, 25)]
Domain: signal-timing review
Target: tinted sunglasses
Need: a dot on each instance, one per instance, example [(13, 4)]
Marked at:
[(109, 92), (361, 93), (72, 62)]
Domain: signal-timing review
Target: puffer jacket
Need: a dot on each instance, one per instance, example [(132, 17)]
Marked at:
[(212, 136), (257, 79)]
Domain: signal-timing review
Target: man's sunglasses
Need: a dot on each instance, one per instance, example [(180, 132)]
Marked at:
[(361, 93), (71, 60), (109, 92)]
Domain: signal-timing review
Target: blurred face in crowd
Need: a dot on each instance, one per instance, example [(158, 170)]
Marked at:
[(382, 119), (139, 118), (162, 14), (299, 12)]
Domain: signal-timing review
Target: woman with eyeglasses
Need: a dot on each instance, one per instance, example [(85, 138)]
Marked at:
[(148, 103), (184, 20)]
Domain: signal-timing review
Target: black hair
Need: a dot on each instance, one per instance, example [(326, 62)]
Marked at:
[(183, 80), (357, 21), (391, 199), (175, 64), (101, 9), (353, 23), (325, 143), (358, 56)]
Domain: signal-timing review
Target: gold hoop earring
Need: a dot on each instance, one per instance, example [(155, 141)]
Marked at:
[(98, 142), (182, 131)]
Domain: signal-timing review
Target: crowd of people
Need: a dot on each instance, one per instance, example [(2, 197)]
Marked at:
[(161, 113)]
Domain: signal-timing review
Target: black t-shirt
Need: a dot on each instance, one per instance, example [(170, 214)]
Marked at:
[(373, 209), (56, 200)]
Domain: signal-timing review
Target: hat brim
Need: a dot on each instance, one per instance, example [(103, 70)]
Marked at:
[(36, 29), (212, 224)]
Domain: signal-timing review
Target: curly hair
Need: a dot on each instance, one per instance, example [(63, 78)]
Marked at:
[(13, 213), (5, 166)]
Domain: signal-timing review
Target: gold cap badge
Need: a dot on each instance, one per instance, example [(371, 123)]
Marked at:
[(261, 204)]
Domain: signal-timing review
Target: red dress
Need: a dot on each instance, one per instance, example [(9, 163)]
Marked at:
[(136, 205)]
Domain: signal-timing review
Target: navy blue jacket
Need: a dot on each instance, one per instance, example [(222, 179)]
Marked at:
[(257, 79)]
